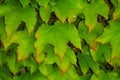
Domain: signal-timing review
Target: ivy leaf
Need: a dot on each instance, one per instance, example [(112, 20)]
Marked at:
[(91, 11), (109, 36), (57, 35), (89, 36), (86, 62), (50, 57), (45, 13), (67, 9), (25, 2), (26, 44), (103, 49), (11, 59), (43, 3), (27, 15), (69, 58)]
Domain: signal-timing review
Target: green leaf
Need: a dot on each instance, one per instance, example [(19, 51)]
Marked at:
[(92, 10), (69, 58), (45, 13), (50, 57), (103, 50), (26, 44), (86, 62), (89, 36), (57, 35), (14, 19), (25, 2), (67, 9), (109, 36), (11, 59), (5, 9)]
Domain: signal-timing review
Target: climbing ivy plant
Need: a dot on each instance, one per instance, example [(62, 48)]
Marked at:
[(59, 39)]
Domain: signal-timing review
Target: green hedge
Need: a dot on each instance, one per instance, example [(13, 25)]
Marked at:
[(59, 39)]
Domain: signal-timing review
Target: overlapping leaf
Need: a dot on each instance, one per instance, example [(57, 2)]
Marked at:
[(111, 35), (67, 9), (26, 44), (15, 14), (45, 13), (11, 59), (103, 52), (92, 10), (86, 62), (14, 19), (89, 36), (69, 58), (63, 9), (57, 35)]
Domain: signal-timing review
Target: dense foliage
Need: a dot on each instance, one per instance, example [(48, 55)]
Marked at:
[(59, 39)]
